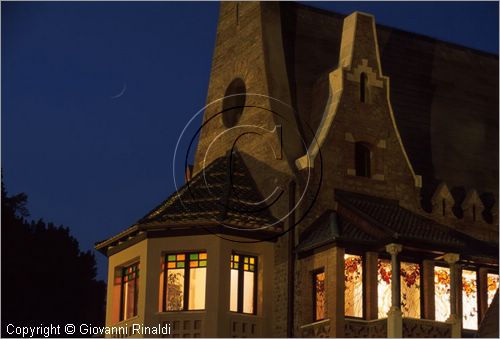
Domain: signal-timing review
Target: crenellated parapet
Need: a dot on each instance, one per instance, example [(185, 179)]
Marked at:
[(467, 212), (443, 202)]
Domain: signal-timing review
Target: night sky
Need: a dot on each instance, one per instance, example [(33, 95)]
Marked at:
[(94, 96)]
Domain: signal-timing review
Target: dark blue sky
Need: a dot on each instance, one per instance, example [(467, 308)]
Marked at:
[(97, 163)]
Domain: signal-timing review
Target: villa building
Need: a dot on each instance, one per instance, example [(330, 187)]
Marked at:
[(333, 153)]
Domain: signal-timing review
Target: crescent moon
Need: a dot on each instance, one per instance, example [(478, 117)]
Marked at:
[(121, 92)]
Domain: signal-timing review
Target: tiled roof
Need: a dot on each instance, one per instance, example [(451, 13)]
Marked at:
[(330, 227), (223, 193), (400, 223)]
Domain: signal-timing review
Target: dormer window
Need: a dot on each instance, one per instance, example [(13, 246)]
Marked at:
[(363, 159)]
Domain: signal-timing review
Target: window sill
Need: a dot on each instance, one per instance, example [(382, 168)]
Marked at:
[(243, 314), (183, 312)]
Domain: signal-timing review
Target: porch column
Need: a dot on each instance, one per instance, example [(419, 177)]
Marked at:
[(455, 319), (429, 290), (371, 285), (395, 316)]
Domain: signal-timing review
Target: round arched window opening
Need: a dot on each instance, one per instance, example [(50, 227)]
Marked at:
[(234, 102)]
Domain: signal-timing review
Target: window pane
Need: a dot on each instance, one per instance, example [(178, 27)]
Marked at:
[(492, 286), (384, 287), (129, 292), (469, 299), (233, 302), (175, 289), (319, 296), (129, 304), (442, 292), (197, 288), (410, 290), (353, 270), (248, 292)]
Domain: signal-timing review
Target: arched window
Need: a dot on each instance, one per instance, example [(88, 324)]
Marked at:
[(363, 87), (363, 159)]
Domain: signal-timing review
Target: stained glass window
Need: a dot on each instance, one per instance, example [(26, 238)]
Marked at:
[(492, 286), (319, 295), (129, 291), (442, 293), (410, 290), (353, 274), (243, 284), (469, 300), (384, 287), (184, 281)]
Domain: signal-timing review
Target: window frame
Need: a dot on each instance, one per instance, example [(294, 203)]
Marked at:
[(123, 273), (187, 268), (241, 287)]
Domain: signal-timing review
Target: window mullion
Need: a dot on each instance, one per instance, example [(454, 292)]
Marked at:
[(186, 283), (165, 275), (240, 286)]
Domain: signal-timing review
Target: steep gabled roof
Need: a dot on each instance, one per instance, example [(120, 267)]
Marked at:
[(224, 192), (221, 199), (444, 96)]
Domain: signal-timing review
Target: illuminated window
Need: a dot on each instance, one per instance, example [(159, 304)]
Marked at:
[(243, 289), (353, 273), (129, 281), (492, 286), (319, 295), (469, 300), (184, 277), (384, 287), (410, 289), (363, 159), (442, 293)]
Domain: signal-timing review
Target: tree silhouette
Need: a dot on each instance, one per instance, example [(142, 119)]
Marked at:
[(46, 279)]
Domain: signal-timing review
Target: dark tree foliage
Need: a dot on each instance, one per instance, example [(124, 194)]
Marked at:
[(46, 279)]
